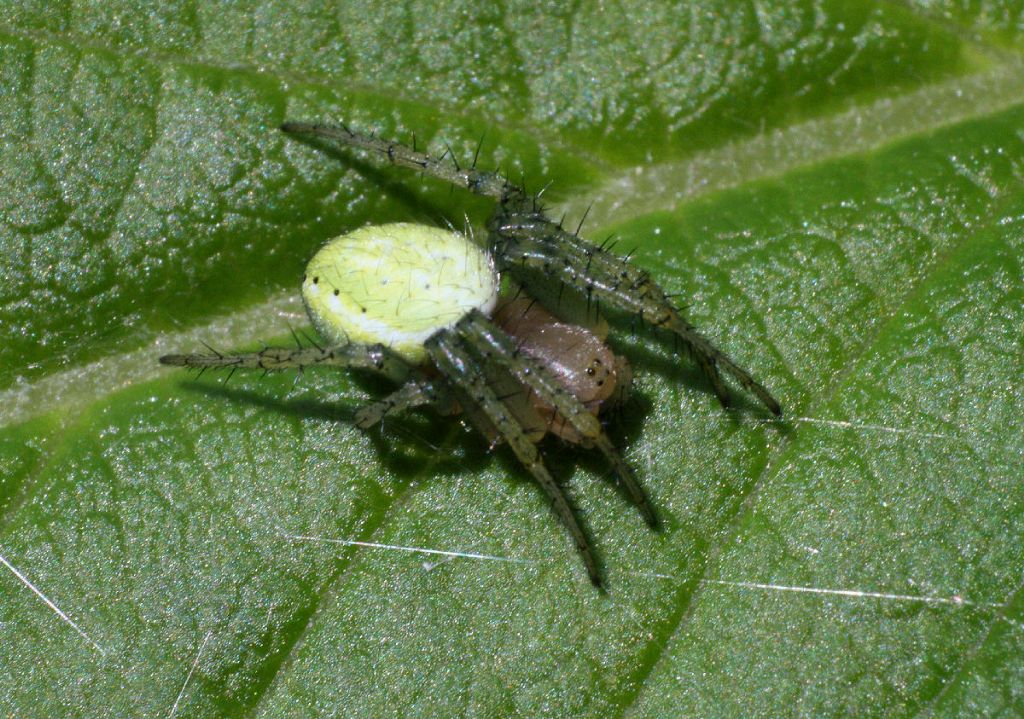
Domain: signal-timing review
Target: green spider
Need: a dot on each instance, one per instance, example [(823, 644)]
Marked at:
[(421, 305)]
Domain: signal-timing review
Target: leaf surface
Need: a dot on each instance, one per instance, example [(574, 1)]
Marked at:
[(836, 191)]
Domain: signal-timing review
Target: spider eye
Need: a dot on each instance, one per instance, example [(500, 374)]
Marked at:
[(396, 285)]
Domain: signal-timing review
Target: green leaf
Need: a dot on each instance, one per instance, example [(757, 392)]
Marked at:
[(836, 191)]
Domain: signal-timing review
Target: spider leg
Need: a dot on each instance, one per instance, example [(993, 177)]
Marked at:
[(416, 392), (482, 183), (491, 342), (461, 369), (528, 241), (372, 357)]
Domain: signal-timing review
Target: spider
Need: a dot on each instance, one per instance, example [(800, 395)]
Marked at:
[(421, 306)]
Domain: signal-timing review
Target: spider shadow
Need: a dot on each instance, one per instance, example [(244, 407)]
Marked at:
[(404, 458), (466, 451)]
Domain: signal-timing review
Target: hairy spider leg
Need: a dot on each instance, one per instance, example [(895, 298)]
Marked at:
[(491, 184), (457, 364), (372, 357), (491, 342), (525, 239), (416, 392)]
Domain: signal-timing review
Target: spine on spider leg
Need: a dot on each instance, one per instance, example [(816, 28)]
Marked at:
[(416, 392), (372, 357), (490, 184)]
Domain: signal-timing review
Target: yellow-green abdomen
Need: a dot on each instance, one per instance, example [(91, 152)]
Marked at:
[(396, 285)]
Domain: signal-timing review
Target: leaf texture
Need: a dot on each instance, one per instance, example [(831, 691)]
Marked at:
[(836, 192)]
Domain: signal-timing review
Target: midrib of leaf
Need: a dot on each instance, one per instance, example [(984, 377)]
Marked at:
[(859, 129), (777, 459), (74, 389)]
